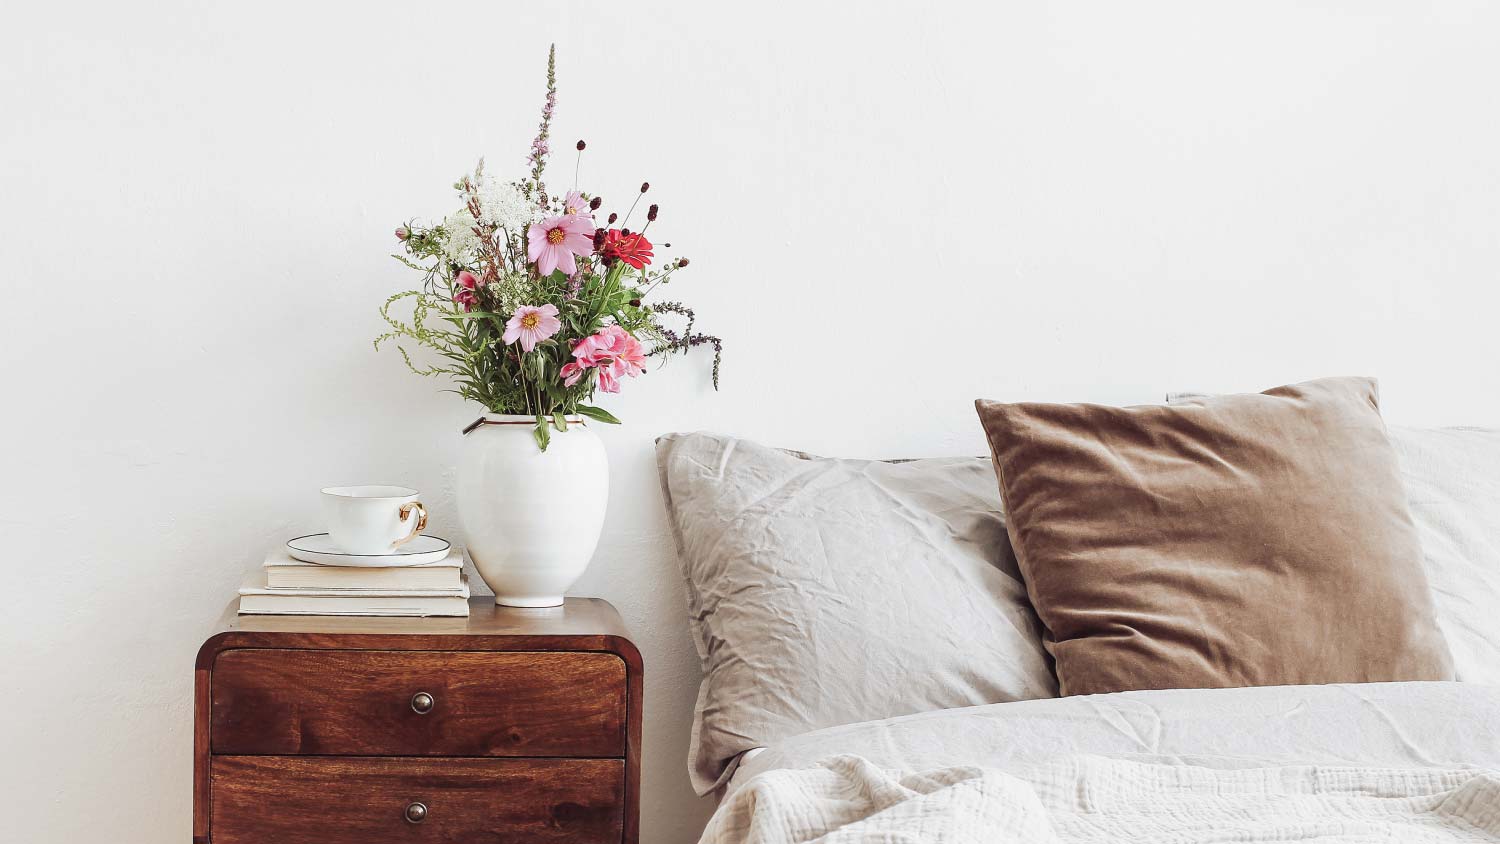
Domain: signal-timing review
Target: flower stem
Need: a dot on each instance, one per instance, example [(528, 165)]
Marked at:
[(659, 279), (521, 375)]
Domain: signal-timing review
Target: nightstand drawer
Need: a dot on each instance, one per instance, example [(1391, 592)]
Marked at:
[(418, 703), (301, 800)]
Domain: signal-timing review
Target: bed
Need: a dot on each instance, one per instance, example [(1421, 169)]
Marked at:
[(857, 618)]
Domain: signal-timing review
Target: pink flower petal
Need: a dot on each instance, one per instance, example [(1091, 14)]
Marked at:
[(552, 258)]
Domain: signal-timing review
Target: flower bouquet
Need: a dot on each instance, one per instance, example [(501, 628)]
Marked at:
[(534, 303)]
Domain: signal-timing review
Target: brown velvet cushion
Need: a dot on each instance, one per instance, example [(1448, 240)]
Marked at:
[(1242, 540)]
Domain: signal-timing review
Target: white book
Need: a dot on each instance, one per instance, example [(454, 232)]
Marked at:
[(258, 599), (283, 571)]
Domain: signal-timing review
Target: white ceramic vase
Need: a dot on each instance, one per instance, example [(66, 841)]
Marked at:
[(531, 518)]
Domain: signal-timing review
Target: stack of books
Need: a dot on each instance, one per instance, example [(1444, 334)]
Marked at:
[(288, 586)]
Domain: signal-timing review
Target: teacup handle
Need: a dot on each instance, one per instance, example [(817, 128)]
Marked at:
[(419, 523)]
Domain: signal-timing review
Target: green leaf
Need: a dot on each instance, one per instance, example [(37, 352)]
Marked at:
[(598, 414), (540, 432), (559, 420)]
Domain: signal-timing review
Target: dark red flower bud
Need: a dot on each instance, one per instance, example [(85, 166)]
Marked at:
[(613, 217), (645, 186), (682, 262), (651, 213), (667, 245), (635, 303), (595, 203), (581, 145), (599, 235), (625, 232)]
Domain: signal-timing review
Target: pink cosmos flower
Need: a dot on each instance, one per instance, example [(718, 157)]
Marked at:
[(576, 204), (612, 352), (531, 325), (555, 241), (467, 296)]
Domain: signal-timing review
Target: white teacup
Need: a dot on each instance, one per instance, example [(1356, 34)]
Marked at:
[(372, 519)]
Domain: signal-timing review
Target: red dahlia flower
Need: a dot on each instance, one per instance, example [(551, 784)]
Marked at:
[(633, 249)]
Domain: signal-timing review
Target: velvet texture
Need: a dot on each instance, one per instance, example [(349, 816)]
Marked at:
[(1242, 540)]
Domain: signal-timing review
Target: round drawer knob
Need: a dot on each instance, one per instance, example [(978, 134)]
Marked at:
[(421, 703), (416, 812)]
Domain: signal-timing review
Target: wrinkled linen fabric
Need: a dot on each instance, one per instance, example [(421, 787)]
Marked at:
[(826, 591), (1396, 725), (1452, 481), (1238, 540), (1094, 800)]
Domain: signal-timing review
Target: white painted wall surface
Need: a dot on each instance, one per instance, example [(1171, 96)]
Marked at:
[(891, 210)]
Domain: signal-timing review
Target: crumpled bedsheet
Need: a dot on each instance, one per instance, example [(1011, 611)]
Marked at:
[(1395, 725), (1095, 800)]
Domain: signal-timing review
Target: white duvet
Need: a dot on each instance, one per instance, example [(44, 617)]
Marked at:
[(1382, 762), (1093, 799)]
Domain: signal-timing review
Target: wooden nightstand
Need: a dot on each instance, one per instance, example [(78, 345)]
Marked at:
[(519, 726)]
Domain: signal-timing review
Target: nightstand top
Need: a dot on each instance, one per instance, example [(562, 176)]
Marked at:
[(579, 624)]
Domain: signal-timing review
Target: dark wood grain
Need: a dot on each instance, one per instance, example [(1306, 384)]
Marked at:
[(634, 701), (581, 626), (201, 739), (324, 800), (358, 703)]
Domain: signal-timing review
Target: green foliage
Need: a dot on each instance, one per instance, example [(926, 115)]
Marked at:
[(543, 436), (466, 346), (598, 414)]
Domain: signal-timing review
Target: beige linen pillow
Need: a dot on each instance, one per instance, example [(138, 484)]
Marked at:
[(1452, 480), (824, 592), (1240, 540)]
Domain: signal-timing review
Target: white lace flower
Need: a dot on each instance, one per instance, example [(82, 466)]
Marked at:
[(510, 291), (501, 204), (462, 244)]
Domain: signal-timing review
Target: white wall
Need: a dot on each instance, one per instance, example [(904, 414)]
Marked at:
[(891, 211)]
